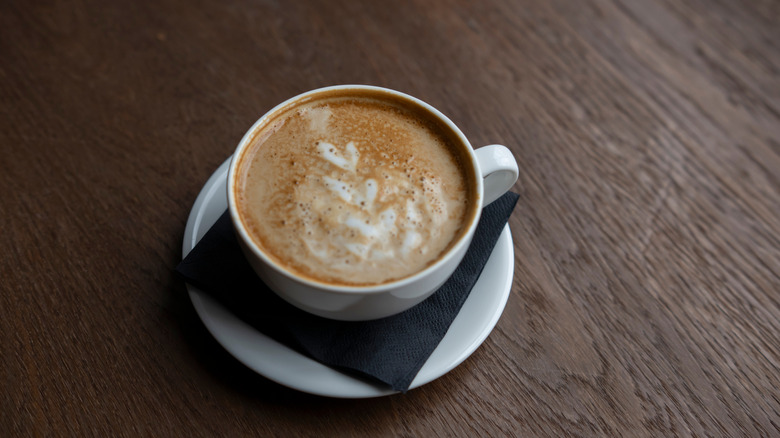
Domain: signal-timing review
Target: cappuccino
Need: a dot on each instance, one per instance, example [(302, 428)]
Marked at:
[(355, 188)]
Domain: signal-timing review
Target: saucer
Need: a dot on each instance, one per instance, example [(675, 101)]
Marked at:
[(277, 362)]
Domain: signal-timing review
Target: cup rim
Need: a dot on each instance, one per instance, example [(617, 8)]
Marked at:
[(346, 289)]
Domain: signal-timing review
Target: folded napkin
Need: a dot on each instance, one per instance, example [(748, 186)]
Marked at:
[(391, 350)]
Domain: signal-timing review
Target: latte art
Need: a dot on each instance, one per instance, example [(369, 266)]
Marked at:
[(369, 215), (354, 191)]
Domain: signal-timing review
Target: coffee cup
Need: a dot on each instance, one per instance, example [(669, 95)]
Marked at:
[(356, 202)]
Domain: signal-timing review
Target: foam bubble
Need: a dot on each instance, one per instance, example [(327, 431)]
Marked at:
[(339, 188), (347, 161), (364, 226)]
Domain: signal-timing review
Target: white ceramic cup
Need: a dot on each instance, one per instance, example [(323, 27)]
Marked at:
[(496, 171)]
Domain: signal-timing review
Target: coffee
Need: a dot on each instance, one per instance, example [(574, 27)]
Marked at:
[(355, 187)]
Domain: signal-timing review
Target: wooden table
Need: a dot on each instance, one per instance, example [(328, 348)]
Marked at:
[(646, 295)]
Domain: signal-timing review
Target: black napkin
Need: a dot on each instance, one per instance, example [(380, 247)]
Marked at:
[(391, 350)]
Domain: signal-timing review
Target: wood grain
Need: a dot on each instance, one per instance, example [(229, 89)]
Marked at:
[(646, 295)]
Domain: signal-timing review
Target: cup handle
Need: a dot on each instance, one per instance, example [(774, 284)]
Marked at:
[(499, 171)]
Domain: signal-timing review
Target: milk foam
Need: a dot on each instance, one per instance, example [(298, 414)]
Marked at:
[(345, 210), (353, 194)]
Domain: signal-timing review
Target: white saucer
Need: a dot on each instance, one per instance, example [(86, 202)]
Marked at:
[(283, 365)]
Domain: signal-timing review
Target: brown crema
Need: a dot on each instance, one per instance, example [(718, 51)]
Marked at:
[(355, 188)]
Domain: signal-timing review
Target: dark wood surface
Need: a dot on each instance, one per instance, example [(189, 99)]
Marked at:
[(646, 295)]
